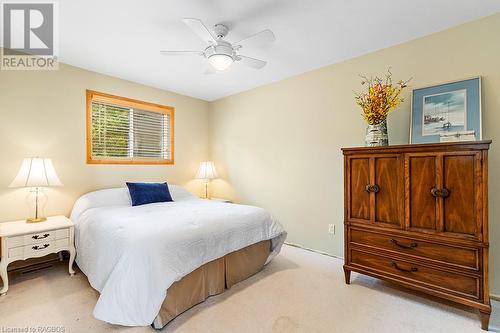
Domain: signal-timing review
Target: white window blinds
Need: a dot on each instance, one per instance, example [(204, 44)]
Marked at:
[(122, 133)]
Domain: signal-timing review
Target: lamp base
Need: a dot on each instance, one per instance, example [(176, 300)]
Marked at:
[(36, 219)]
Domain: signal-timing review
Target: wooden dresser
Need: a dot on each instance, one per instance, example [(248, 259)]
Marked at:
[(417, 215)]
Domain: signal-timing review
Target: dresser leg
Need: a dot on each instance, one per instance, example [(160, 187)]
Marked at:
[(485, 319), (72, 255), (4, 276), (347, 275)]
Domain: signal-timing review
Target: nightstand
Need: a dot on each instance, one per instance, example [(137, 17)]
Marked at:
[(21, 240)]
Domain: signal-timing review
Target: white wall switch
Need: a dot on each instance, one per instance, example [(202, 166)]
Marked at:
[(331, 229)]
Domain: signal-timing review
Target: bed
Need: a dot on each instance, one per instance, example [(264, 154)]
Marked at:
[(152, 262)]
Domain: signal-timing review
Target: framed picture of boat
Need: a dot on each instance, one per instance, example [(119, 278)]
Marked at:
[(446, 112)]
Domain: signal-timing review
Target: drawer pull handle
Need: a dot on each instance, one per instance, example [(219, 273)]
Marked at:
[(440, 193), (411, 270), (372, 188), (36, 247), (40, 237), (411, 246)]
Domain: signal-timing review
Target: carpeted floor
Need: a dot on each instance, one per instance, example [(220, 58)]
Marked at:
[(300, 291)]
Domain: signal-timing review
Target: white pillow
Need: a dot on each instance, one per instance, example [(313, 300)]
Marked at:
[(118, 197), (179, 193)]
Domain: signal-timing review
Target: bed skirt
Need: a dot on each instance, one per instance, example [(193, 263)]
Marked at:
[(212, 279)]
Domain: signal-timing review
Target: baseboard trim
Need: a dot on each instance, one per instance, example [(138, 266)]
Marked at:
[(495, 297), (313, 250)]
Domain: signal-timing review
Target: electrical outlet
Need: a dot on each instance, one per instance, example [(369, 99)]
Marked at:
[(331, 229)]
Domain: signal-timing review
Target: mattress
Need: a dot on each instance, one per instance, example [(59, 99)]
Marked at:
[(133, 255)]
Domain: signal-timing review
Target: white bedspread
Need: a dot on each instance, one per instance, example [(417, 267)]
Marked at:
[(131, 255)]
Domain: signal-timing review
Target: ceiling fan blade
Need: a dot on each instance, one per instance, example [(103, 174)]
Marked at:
[(180, 52), (200, 29), (251, 62), (262, 36)]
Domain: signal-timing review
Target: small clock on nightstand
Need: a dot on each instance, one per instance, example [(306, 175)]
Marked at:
[(21, 240)]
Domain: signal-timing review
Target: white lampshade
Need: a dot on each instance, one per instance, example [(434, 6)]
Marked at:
[(36, 172), (206, 170), (220, 61)]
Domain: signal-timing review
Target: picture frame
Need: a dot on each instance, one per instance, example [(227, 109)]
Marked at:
[(447, 112)]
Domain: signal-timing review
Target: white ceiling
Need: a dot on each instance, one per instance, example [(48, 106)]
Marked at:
[(123, 38)]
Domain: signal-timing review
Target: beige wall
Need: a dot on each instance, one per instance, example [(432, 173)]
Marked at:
[(278, 146), (43, 114)]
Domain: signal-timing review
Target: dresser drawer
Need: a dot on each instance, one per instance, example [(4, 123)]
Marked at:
[(463, 285), (62, 233), (456, 256), (35, 238), (39, 249)]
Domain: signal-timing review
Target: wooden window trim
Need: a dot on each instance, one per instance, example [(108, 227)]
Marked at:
[(127, 102)]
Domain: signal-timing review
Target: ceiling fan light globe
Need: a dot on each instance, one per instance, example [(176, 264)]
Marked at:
[(220, 62)]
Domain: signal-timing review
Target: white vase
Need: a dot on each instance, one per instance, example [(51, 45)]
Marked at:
[(376, 135)]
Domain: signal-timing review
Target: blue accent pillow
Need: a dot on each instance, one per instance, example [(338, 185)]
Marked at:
[(146, 193)]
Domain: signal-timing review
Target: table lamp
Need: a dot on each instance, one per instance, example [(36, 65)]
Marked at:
[(206, 171), (36, 173)]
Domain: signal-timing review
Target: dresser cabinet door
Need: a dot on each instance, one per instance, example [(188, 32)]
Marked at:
[(388, 203), (375, 189), (443, 193), (421, 206), (462, 207), (359, 198)]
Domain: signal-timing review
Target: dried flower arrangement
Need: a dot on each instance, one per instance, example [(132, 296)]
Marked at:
[(381, 97)]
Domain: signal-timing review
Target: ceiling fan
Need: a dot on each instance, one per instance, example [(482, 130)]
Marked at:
[(220, 53)]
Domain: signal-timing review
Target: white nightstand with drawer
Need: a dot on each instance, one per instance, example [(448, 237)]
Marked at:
[(21, 240)]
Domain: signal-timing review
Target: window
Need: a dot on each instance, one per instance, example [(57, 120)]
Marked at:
[(126, 131)]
